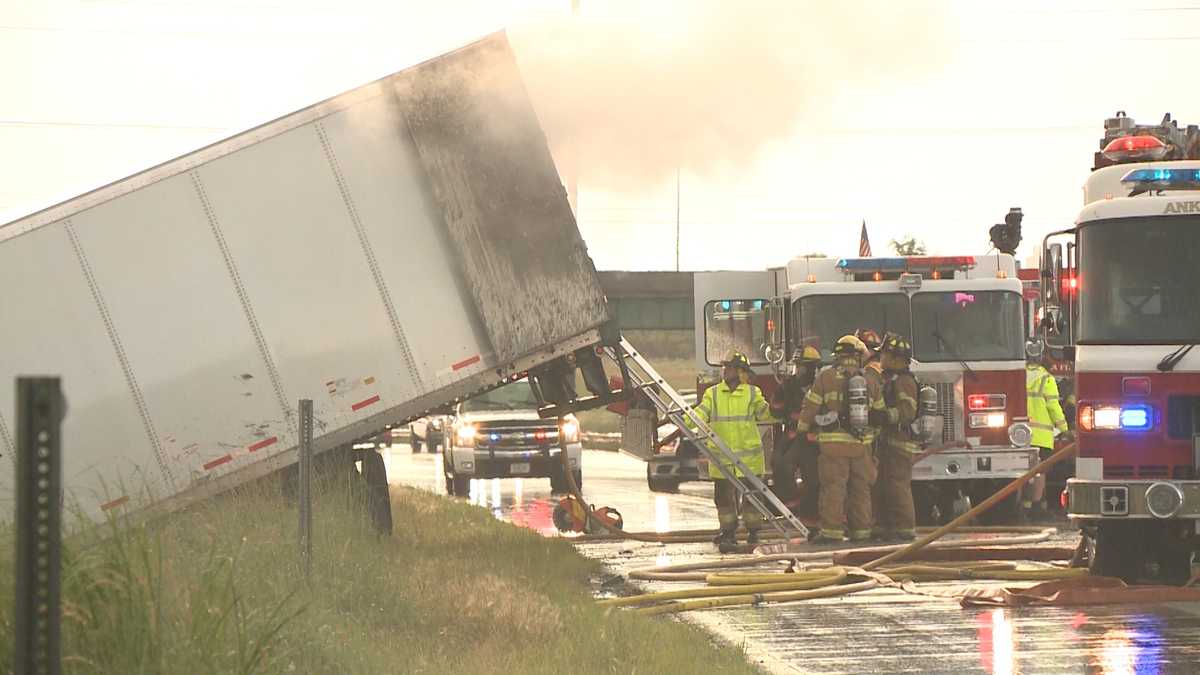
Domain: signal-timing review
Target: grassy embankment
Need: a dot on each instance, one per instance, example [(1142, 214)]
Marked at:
[(217, 590)]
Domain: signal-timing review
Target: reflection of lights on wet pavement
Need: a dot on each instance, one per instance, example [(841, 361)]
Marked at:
[(439, 475), (518, 489), (662, 559), (662, 514), (1137, 648), (1003, 643), (496, 493), (997, 642)]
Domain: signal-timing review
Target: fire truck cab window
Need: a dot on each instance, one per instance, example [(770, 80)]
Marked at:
[(1139, 281), (825, 318), (734, 325), (968, 326)]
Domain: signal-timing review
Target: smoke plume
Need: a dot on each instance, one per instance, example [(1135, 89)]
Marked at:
[(630, 90)]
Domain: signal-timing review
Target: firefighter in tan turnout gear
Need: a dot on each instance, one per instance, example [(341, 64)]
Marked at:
[(838, 407), (733, 408), (895, 517)]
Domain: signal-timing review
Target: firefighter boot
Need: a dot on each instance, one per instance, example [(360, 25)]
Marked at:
[(726, 541), (752, 538)]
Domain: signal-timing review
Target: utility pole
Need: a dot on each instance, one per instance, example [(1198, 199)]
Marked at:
[(677, 219)]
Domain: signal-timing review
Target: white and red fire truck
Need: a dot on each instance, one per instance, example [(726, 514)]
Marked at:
[(964, 315), (1134, 319)]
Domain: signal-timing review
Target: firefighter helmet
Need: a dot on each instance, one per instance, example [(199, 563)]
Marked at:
[(1034, 349), (736, 360), (897, 345), (848, 345), (869, 338), (807, 354)]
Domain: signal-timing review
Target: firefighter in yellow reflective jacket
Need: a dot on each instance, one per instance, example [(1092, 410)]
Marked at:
[(839, 406), (733, 408), (895, 517), (1046, 418)]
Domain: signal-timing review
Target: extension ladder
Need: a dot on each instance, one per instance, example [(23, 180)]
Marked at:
[(641, 376)]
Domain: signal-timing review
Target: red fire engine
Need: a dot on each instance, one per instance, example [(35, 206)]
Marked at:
[(1133, 318)]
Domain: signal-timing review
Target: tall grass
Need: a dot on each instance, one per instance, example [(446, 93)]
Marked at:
[(219, 590)]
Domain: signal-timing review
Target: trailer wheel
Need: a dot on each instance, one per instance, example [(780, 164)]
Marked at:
[(1115, 550), (379, 502)]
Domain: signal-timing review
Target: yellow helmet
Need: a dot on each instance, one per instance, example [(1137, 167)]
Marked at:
[(807, 354), (849, 345), (737, 360)]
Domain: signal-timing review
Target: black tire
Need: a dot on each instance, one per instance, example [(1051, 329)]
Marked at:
[(558, 483), (432, 442), (1116, 550), (379, 502), (658, 484), (458, 486), (577, 474), (414, 441)]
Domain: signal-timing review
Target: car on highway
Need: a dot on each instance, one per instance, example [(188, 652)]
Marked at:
[(500, 435), (427, 432)]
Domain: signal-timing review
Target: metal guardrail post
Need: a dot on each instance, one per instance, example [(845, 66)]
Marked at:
[(305, 491), (40, 411)]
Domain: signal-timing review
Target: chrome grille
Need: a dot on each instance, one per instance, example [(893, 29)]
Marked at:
[(945, 394)]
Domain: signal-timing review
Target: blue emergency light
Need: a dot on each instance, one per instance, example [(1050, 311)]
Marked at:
[(1166, 178), (872, 264), (1136, 417)]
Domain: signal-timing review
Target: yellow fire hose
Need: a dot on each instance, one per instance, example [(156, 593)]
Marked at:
[(755, 589)]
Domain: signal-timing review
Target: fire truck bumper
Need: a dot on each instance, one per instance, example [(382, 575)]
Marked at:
[(1144, 499), (976, 464)]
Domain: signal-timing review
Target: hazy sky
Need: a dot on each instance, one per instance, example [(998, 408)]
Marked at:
[(789, 122)]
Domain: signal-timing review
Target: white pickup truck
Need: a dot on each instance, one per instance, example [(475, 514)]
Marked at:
[(500, 435)]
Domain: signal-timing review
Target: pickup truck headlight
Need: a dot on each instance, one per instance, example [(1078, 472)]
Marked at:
[(569, 431), (465, 435), (437, 424)]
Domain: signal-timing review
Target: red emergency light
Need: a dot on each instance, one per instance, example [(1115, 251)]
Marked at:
[(1128, 148), (934, 262)]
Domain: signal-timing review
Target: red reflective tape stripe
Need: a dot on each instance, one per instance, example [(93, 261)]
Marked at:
[(218, 462), (263, 443), (466, 362), (362, 404), (114, 503)]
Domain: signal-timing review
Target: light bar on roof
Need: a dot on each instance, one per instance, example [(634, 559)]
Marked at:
[(1163, 178), (903, 264), (871, 264)]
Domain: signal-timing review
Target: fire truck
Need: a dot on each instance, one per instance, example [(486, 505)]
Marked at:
[(964, 315), (1133, 320)]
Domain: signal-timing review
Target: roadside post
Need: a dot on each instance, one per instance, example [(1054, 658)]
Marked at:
[(305, 491), (40, 411)]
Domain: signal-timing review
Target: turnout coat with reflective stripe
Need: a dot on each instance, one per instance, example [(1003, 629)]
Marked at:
[(900, 397), (1045, 411), (733, 414), (827, 394)]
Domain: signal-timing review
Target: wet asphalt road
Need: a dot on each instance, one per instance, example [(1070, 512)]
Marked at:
[(880, 631)]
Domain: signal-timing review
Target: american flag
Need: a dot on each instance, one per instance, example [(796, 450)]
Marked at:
[(864, 244)]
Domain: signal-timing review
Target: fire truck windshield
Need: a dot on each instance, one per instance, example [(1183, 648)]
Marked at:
[(1139, 280), (967, 326), (825, 318)]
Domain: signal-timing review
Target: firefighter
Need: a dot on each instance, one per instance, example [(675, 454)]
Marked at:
[(1045, 418), (732, 408), (798, 450), (838, 406), (895, 517)]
